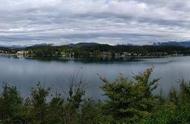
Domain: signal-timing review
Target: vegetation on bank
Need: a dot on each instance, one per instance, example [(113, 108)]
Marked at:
[(103, 51), (97, 51), (127, 102)]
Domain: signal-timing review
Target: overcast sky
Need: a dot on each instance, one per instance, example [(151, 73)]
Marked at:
[(28, 22)]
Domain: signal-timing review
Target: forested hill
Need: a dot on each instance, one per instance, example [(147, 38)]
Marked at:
[(106, 47), (94, 50)]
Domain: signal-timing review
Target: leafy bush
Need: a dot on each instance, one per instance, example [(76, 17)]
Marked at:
[(127, 102), (130, 100)]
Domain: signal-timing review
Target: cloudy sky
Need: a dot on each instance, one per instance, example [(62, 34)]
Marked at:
[(28, 22)]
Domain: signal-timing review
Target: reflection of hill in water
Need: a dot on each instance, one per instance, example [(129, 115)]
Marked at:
[(87, 60), (165, 60), (152, 61)]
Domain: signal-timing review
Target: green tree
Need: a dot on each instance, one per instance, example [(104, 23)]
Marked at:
[(130, 100), (55, 112), (39, 104), (71, 107), (10, 105)]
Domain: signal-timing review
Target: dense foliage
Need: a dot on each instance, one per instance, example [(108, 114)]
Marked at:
[(99, 51), (127, 102)]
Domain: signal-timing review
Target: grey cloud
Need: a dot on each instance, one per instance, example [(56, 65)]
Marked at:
[(27, 22)]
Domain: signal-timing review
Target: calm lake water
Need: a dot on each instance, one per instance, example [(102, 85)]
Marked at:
[(25, 73)]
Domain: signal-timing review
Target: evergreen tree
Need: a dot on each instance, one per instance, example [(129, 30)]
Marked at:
[(130, 100)]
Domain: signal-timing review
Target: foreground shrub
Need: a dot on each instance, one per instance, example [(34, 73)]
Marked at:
[(175, 109), (127, 102), (130, 100), (10, 105)]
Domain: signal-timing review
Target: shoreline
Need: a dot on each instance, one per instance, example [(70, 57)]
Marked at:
[(93, 59)]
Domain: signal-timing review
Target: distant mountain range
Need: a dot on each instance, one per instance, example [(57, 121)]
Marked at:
[(173, 43), (82, 44), (170, 43)]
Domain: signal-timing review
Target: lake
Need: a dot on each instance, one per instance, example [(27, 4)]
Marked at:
[(25, 73)]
